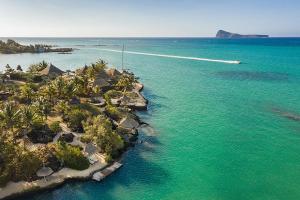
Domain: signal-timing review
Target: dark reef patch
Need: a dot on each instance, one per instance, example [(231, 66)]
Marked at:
[(253, 75), (287, 114)]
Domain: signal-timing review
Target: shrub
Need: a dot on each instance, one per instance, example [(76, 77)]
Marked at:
[(111, 94), (35, 78), (38, 124), (55, 127), (71, 156), (75, 118), (86, 138), (114, 112), (27, 77), (20, 76)]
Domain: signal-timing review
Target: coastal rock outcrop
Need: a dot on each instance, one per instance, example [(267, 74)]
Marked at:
[(226, 34)]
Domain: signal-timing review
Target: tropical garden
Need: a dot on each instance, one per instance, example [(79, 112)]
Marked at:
[(35, 108)]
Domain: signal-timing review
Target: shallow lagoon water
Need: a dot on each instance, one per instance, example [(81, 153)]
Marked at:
[(216, 135)]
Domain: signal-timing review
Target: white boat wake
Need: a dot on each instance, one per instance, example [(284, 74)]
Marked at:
[(177, 57)]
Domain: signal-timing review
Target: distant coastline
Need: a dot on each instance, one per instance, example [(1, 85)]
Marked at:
[(12, 47)]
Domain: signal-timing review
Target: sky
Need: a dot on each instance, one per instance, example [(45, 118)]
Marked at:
[(147, 18)]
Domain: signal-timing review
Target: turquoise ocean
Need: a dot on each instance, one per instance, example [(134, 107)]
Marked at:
[(218, 131)]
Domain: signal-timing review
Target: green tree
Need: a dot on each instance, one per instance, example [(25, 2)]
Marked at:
[(62, 108), (25, 165), (8, 69), (74, 118), (10, 117), (71, 156), (55, 127), (43, 107), (27, 92), (125, 83), (59, 85), (19, 68), (38, 67), (48, 92), (28, 116), (99, 130), (43, 65), (69, 90)]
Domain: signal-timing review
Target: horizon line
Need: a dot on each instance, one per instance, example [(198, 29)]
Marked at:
[(145, 37)]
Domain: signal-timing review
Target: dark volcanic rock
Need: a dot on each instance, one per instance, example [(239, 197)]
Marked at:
[(225, 34), (41, 135), (67, 137), (53, 162)]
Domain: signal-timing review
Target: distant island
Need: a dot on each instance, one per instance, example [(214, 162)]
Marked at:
[(12, 47), (56, 126), (226, 34)]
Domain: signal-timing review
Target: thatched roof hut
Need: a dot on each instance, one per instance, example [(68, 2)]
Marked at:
[(51, 70), (102, 74), (129, 123), (113, 73), (102, 83)]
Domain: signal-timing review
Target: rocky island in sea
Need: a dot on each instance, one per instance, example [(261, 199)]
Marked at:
[(12, 47), (226, 34), (59, 125)]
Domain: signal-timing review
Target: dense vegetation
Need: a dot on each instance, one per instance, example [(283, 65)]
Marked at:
[(12, 47), (33, 110)]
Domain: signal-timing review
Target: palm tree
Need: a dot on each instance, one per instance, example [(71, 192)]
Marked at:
[(125, 83), (28, 116), (47, 92), (10, 117), (59, 85), (100, 65), (19, 68), (63, 107), (69, 90), (43, 107), (43, 65), (85, 84), (8, 69), (27, 92), (78, 85)]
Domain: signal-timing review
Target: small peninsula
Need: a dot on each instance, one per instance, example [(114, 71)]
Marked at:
[(56, 125), (12, 47), (226, 34)]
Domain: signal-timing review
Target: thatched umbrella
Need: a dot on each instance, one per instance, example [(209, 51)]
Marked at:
[(90, 149), (44, 171)]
